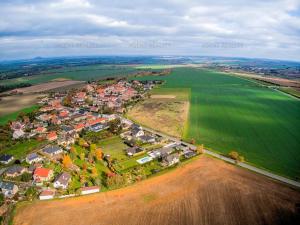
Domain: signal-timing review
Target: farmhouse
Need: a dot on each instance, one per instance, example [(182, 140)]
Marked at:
[(52, 150), (47, 194), (9, 189), (15, 170), (62, 181), (6, 159), (42, 174), (89, 190), (33, 158)]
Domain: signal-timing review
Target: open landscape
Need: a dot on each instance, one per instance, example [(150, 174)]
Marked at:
[(228, 113), (205, 191)]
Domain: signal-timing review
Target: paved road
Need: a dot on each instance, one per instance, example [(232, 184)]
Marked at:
[(244, 165)]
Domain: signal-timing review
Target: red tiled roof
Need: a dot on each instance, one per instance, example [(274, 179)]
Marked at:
[(42, 172), (51, 135)]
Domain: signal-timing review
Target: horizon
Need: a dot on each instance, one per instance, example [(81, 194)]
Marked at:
[(71, 28)]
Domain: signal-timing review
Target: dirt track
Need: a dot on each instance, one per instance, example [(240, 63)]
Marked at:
[(206, 191)]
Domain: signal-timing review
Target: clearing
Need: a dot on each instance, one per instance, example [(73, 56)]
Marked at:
[(205, 191), (166, 111)]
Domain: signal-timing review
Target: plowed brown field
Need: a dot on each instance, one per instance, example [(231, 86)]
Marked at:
[(206, 191)]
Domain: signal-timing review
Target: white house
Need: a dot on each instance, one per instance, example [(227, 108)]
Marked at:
[(62, 181), (89, 190)]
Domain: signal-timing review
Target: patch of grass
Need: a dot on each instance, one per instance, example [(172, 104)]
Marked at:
[(23, 148), (10, 117), (114, 146), (228, 113)]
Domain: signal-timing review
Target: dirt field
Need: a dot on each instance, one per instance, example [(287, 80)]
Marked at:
[(15, 103), (47, 86), (169, 114), (206, 191), (163, 96)]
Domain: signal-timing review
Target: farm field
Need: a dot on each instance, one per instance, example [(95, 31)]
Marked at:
[(12, 116), (10, 104), (205, 191), (83, 73), (228, 113), (166, 110)]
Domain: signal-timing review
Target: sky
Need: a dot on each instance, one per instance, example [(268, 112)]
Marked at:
[(251, 28)]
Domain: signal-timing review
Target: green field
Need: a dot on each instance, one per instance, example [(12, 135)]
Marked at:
[(228, 113), (84, 73), (11, 117)]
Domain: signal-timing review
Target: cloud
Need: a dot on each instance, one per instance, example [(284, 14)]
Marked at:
[(255, 28)]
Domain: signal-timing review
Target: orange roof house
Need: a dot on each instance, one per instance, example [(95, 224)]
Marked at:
[(42, 174)]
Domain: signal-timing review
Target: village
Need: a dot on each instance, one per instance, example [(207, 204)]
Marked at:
[(86, 145)]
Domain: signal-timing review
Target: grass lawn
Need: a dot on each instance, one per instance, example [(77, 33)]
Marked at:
[(129, 163), (228, 113), (22, 149), (10, 117), (114, 146)]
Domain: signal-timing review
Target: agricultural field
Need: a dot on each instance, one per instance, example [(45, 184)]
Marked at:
[(205, 191), (83, 73), (229, 113), (14, 103), (12, 116), (166, 110)]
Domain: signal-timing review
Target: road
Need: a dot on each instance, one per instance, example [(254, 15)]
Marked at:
[(227, 159)]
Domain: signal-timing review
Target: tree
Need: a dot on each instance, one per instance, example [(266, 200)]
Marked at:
[(93, 147), (94, 172), (67, 161), (192, 141), (115, 126), (99, 154), (84, 166), (26, 177), (82, 156), (115, 181), (73, 150), (200, 149), (234, 155), (31, 193), (82, 142)]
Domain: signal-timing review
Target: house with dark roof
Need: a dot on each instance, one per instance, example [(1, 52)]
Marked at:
[(9, 189), (15, 170), (52, 150), (6, 159), (134, 151), (33, 158), (62, 181), (147, 139)]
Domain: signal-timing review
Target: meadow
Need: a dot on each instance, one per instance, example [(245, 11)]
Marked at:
[(13, 116), (229, 113)]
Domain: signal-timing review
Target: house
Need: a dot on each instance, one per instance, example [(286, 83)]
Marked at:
[(42, 174), (136, 131), (52, 150), (15, 170), (162, 152), (189, 154), (62, 181), (79, 127), (134, 151), (47, 194), (89, 190), (170, 160), (6, 159), (9, 189), (52, 136), (40, 130), (33, 158), (98, 127), (147, 139), (67, 129), (18, 134)]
